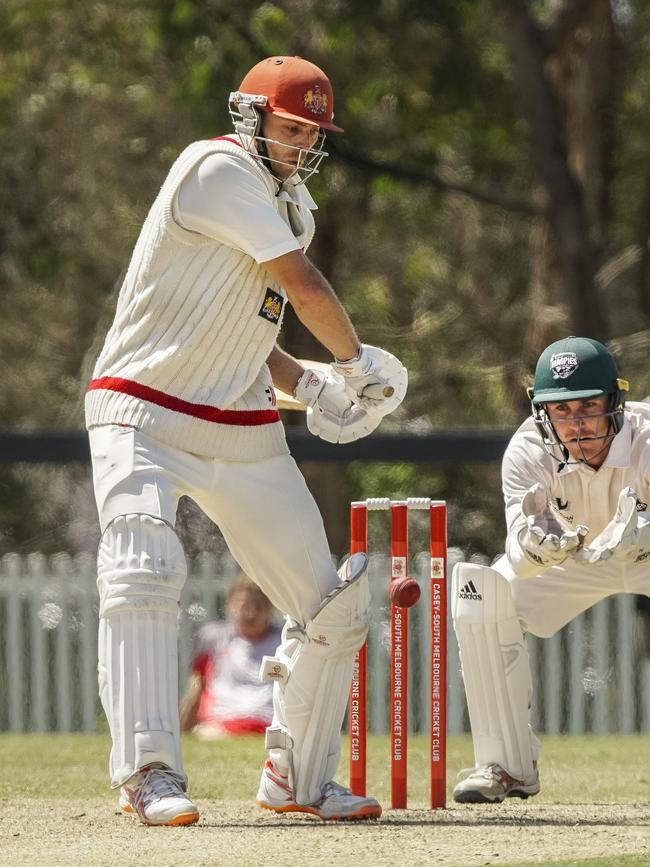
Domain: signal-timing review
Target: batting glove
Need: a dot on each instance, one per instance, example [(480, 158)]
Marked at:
[(375, 380), (331, 415), (322, 390)]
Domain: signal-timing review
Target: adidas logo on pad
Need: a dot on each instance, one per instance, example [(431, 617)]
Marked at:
[(469, 591)]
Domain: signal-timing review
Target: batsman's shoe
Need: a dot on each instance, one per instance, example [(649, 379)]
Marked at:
[(491, 785), (125, 803), (337, 802), (156, 794)]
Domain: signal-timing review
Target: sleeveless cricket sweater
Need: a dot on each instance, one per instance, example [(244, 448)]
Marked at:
[(185, 358)]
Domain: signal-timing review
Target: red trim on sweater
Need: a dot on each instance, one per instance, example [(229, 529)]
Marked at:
[(176, 404), (227, 138)]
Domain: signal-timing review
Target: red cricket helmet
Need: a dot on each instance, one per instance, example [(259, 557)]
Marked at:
[(294, 88)]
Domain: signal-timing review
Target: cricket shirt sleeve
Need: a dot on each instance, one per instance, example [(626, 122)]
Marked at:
[(224, 198), (640, 458), (524, 465)]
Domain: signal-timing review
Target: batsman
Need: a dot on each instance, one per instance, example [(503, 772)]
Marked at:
[(576, 483), (182, 402)]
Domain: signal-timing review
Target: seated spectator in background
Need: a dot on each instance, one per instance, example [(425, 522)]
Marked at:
[(225, 695)]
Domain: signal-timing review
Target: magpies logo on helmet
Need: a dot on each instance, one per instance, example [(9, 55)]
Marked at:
[(563, 364)]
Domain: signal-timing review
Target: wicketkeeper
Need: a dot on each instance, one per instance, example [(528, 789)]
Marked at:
[(182, 403), (576, 482)]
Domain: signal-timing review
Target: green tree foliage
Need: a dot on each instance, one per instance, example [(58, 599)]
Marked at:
[(439, 207)]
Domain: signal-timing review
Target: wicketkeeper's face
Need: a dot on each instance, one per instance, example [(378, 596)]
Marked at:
[(584, 427)]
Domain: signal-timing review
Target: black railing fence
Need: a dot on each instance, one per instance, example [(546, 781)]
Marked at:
[(459, 445)]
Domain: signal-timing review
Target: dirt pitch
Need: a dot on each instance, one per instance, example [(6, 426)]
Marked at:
[(56, 811), (66, 832)]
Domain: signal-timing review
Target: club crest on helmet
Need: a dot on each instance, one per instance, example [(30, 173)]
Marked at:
[(315, 100), (563, 364)]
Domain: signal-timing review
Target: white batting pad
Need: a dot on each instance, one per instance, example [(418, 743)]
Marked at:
[(141, 571), (496, 670), (311, 695)]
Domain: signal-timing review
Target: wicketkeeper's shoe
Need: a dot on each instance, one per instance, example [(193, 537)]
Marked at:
[(491, 785), (337, 802), (156, 794)]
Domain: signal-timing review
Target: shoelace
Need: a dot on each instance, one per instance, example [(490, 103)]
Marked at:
[(486, 772), (333, 788), (157, 783)]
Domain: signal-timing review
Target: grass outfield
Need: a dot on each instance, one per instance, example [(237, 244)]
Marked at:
[(594, 809), (575, 770)]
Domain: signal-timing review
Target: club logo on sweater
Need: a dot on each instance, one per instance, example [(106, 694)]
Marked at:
[(271, 308)]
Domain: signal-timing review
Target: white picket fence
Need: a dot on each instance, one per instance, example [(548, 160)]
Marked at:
[(590, 677)]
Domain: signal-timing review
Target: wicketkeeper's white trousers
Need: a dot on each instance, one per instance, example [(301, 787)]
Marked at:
[(264, 509), (548, 601)]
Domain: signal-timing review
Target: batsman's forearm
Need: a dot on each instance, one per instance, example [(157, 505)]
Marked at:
[(285, 370), (315, 303), (325, 317)]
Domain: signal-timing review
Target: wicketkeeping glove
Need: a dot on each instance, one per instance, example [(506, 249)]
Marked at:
[(375, 380), (542, 548), (331, 415), (625, 538)]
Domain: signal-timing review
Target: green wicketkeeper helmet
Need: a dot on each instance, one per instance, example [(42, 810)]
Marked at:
[(575, 368)]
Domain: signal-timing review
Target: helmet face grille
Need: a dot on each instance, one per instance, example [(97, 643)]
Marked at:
[(245, 111), (557, 449)]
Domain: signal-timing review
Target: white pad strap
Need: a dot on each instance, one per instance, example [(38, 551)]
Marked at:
[(496, 670), (312, 671), (141, 571)]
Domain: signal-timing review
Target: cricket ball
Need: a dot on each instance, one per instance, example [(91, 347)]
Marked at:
[(404, 592)]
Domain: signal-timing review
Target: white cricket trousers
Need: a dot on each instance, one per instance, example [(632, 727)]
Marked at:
[(272, 527), (264, 509), (548, 601)]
